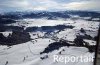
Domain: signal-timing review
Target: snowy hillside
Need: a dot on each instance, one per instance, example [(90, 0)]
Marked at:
[(49, 38)]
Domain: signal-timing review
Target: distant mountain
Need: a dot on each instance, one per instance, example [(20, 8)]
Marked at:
[(49, 15)]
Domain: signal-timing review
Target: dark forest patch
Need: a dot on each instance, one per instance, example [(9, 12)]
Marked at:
[(10, 28), (15, 38), (49, 28), (78, 42)]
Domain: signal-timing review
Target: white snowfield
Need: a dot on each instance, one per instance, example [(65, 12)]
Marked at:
[(6, 33), (29, 53), (40, 22)]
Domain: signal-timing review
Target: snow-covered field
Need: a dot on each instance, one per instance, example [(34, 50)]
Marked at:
[(29, 53)]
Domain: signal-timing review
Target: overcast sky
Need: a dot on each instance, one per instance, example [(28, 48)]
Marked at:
[(49, 5)]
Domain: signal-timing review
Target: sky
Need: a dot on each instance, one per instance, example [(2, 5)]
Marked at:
[(48, 5)]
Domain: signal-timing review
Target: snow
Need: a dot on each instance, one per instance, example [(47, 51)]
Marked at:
[(29, 53), (87, 18), (39, 22), (91, 42), (6, 33), (96, 19)]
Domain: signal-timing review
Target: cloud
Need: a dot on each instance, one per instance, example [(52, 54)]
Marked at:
[(22, 5), (14, 5), (84, 5)]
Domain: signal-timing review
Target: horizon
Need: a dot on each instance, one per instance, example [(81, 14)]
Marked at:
[(49, 11)]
